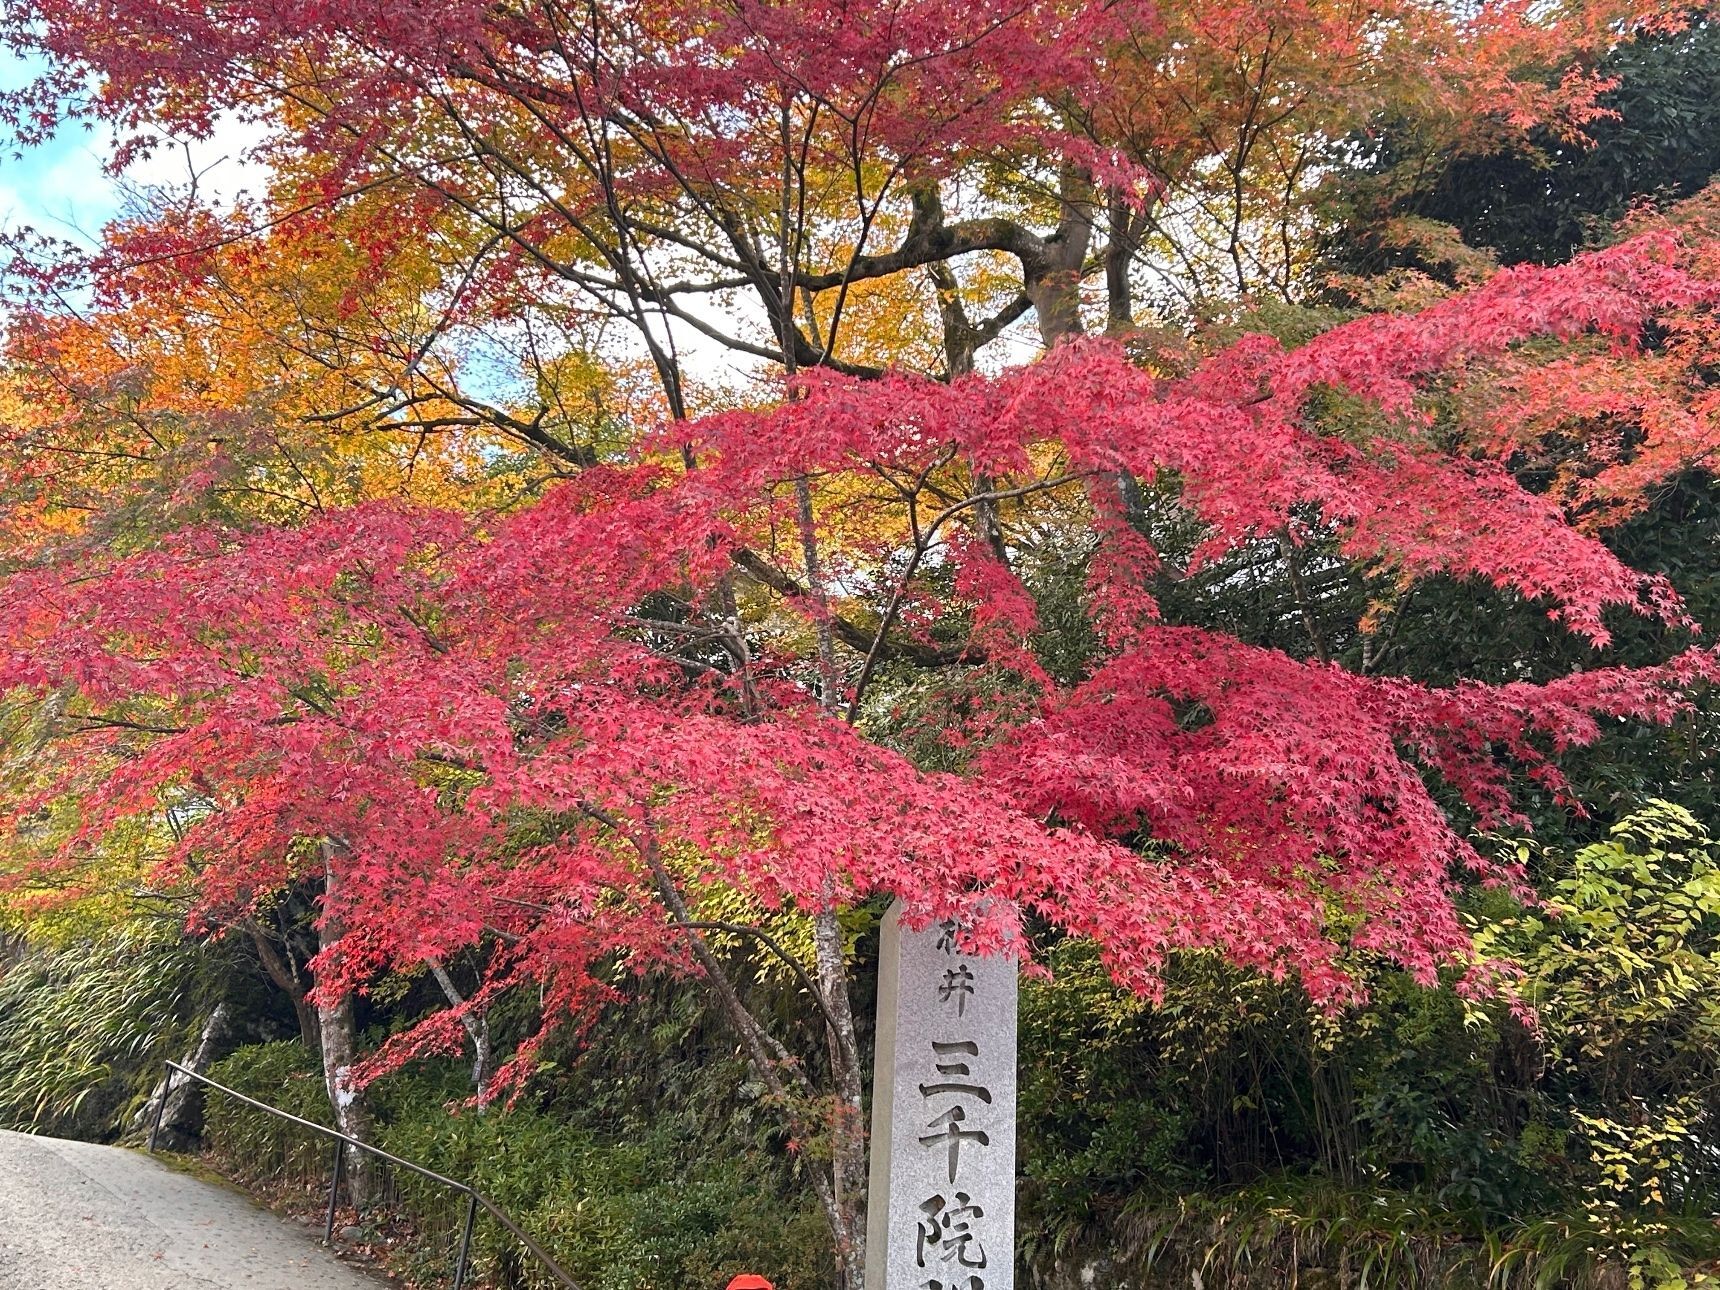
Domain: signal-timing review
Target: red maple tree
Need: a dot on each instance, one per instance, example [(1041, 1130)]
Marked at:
[(557, 731)]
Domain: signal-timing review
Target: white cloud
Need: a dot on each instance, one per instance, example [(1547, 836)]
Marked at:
[(63, 187), (221, 165)]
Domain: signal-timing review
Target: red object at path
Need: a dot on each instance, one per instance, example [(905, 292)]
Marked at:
[(749, 1281)]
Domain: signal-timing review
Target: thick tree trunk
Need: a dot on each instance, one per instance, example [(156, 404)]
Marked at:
[(351, 1109), (337, 1029), (1052, 277), (1056, 304)]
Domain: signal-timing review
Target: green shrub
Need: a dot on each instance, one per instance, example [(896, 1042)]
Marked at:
[(1300, 1232), (642, 1208), (255, 1147)]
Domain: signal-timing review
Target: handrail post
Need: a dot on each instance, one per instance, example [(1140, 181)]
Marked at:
[(334, 1189), (466, 1243), (161, 1106)]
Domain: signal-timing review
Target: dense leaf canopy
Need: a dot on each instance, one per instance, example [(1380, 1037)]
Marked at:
[(567, 668)]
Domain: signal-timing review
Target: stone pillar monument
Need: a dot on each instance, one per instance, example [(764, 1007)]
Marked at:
[(941, 1196)]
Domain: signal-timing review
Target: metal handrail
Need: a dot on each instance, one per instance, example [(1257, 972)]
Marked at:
[(475, 1200)]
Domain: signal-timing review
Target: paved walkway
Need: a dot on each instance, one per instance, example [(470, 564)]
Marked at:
[(75, 1216)]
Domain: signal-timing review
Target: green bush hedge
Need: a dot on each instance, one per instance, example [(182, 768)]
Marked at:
[(635, 1207), (640, 1210), (254, 1147)]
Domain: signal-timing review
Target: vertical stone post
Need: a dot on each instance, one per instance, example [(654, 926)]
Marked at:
[(941, 1193)]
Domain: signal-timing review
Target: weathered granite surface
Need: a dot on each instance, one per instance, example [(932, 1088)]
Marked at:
[(942, 1199)]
